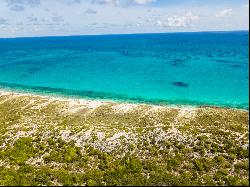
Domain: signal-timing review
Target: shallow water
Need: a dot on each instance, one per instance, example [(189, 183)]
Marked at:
[(179, 68)]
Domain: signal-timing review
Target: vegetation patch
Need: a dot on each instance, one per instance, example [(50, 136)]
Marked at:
[(52, 141)]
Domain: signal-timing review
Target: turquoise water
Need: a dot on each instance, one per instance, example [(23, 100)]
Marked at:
[(207, 68)]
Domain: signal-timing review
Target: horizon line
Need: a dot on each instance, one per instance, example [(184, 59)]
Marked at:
[(78, 35)]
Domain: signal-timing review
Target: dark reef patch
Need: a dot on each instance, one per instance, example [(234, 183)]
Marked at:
[(180, 84), (67, 67), (225, 61), (236, 66), (177, 62), (24, 76), (33, 70)]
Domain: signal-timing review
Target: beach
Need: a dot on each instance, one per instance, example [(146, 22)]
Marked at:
[(47, 140)]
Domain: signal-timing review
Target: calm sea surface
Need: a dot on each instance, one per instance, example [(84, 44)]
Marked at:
[(209, 68)]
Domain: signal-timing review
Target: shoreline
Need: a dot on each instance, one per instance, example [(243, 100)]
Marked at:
[(98, 101)]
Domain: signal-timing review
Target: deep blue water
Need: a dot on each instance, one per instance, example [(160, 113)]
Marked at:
[(207, 68)]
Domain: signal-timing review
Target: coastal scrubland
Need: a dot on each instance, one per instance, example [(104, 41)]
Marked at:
[(53, 141)]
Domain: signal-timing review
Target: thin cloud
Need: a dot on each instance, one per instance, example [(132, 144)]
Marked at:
[(32, 19), (178, 21), (90, 11), (57, 19), (70, 2), (19, 5), (3, 21), (143, 2), (224, 13), (122, 2)]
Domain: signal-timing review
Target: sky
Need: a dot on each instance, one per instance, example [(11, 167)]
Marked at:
[(28, 18)]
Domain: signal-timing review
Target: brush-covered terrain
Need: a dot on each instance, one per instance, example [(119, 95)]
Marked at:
[(50, 141)]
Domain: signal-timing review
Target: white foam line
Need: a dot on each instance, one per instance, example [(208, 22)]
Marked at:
[(92, 104)]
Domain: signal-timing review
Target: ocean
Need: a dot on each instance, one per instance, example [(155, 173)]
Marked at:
[(203, 68)]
